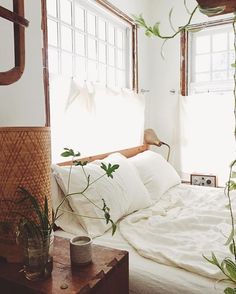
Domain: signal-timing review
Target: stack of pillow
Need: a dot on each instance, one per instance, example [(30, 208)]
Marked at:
[(139, 182)]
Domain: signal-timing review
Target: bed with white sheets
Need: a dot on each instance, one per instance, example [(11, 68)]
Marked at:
[(166, 226)]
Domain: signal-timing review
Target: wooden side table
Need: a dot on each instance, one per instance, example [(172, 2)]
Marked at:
[(108, 273)]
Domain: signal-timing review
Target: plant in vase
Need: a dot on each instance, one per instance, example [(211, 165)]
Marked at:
[(228, 265), (35, 234)]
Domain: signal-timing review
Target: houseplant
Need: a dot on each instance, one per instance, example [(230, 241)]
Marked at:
[(35, 235), (228, 264)]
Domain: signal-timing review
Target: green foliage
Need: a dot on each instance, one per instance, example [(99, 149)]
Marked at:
[(69, 152), (110, 169), (229, 290), (40, 226)]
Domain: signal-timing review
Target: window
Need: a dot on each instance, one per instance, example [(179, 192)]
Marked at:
[(207, 143), (207, 55), (92, 41)]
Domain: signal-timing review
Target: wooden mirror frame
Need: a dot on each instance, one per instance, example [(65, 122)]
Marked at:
[(17, 17)]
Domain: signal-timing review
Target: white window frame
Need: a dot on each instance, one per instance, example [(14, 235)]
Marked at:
[(104, 10)]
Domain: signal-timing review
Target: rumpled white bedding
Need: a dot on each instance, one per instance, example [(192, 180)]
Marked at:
[(186, 223)]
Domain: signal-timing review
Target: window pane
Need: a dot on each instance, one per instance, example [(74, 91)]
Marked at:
[(119, 39), (102, 73), (202, 63), (53, 61), (111, 78), (92, 71), (52, 33), (66, 64), (203, 44), (219, 42), (66, 38), (111, 34), (220, 75), (79, 17), (203, 77), (120, 59), (80, 68), (91, 24), (111, 55), (219, 61), (101, 29), (65, 10), (92, 48), (52, 7), (121, 78), (102, 52), (79, 44)]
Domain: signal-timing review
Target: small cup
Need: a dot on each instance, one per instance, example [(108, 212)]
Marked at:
[(80, 250)]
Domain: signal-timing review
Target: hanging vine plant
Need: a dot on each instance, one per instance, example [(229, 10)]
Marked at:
[(228, 265)]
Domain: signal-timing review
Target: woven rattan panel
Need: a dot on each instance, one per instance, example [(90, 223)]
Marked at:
[(25, 161)]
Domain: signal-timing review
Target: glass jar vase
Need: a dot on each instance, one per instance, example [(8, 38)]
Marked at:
[(37, 257)]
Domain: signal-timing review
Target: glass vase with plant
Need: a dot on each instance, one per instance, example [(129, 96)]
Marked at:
[(35, 233)]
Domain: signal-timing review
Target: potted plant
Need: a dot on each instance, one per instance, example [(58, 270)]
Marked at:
[(35, 234)]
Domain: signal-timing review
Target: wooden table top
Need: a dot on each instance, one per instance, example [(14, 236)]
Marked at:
[(79, 279)]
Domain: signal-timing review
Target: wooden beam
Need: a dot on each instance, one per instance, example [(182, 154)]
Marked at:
[(12, 16)]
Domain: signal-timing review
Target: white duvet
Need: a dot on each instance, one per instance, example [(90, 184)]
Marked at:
[(186, 223)]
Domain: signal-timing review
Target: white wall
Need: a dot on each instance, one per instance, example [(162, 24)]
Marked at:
[(165, 74), (22, 103)]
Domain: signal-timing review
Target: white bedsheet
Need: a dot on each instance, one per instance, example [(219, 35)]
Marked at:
[(149, 277), (188, 222)]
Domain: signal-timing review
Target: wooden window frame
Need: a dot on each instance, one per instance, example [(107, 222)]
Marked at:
[(114, 10), (184, 51), (17, 17)]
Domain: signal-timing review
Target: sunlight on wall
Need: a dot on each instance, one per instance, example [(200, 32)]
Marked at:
[(94, 119), (207, 134)]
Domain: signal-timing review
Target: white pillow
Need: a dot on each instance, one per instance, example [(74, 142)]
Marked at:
[(155, 172), (67, 221), (123, 194)]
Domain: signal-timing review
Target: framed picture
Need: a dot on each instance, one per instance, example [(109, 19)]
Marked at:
[(203, 180)]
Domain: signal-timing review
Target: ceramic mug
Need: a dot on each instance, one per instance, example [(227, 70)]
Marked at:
[(81, 250)]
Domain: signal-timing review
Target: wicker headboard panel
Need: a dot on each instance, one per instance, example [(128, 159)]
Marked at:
[(126, 152)]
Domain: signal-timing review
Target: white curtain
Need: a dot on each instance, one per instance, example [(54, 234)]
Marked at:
[(207, 143), (93, 118)]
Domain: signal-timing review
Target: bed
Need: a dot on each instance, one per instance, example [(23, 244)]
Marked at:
[(165, 225)]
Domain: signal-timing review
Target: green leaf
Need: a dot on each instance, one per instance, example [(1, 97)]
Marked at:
[(80, 163), (156, 29), (231, 268), (229, 290), (230, 238), (69, 152), (110, 169), (213, 261), (232, 248), (233, 65), (233, 175)]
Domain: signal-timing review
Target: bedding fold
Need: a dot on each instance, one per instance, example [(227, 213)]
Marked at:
[(187, 223)]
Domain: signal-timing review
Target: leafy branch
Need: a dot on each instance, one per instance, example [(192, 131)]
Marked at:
[(109, 170)]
